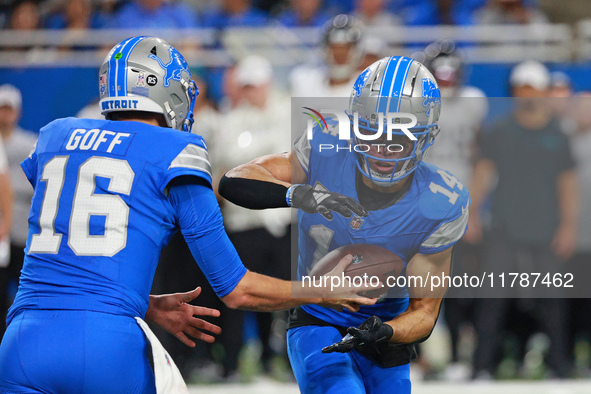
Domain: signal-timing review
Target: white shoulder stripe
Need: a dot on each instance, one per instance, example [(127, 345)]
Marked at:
[(449, 232), (194, 157), (302, 148)]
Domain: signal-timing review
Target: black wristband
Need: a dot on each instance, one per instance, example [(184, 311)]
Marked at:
[(386, 332), (253, 194)]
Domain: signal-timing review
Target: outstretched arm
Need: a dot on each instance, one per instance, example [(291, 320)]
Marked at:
[(263, 183), (263, 293), (201, 224)]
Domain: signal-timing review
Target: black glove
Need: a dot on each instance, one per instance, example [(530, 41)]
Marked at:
[(311, 200), (371, 332)]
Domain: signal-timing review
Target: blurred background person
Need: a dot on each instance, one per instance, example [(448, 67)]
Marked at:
[(533, 215), (465, 108), (234, 13), (373, 13), (6, 198), (18, 143), (342, 54), (373, 48), (304, 13), (6, 201), (259, 124), (155, 14), (75, 14), (522, 12), (205, 114), (24, 15)]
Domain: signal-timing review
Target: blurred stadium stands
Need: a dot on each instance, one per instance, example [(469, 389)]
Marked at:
[(56, 69)]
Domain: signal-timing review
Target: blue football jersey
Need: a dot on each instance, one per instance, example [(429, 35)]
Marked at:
[(430, 218), (100, 214)]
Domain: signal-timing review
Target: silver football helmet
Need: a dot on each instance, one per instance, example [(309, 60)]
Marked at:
[(400, 85), (148, 74)]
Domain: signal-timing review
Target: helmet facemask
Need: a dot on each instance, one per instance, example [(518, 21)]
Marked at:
[(389, 159)]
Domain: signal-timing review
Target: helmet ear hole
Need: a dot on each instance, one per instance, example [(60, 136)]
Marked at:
[(176, 99)]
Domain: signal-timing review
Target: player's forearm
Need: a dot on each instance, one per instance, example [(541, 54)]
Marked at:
[(568, 198), (416, 323), (6, 200), (262, 293), (270, 168)]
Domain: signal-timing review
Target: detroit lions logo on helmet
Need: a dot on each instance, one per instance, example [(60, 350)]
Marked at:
[(431, 94), (360, 81), (174, 68)]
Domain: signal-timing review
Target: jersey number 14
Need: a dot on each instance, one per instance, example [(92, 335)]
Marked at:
[(85, 204), (450, 181)]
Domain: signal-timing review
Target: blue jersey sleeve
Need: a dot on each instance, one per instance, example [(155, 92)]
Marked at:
[(200, 220), (444, 202)]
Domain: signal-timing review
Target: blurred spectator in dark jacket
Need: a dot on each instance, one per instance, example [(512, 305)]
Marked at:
[(533, 216), (155, 14), (304, 13), (521, 12), (234, 13)]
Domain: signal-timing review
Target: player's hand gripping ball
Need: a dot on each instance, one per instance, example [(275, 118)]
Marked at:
[(371, 332), (311, 200), (370, 263)]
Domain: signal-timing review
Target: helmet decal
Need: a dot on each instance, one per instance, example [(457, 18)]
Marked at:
[(118, 66), (174, 68), (360, 81), (393, 83), (431, 94)]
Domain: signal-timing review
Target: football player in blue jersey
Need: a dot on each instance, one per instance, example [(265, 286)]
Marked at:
[(412, 208), (109, 194)]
